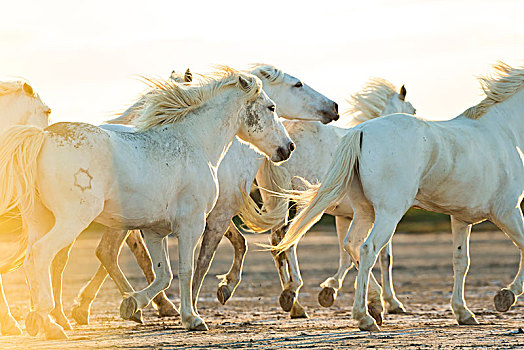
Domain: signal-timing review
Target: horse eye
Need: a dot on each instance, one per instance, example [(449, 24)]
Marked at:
[(271, 108), (299, 84)]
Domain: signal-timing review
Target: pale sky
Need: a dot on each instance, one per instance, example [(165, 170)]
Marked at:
[(84, 57)]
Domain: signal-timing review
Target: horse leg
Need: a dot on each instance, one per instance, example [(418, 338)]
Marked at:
[(461, 232), (332, 285), (359, 229), (57, 270), (39, 258), (8, 324), (107, 253), (386, 267), (212, 236), (381, 233), (231, 280), (137, 245), (512, 223), (82, 307), (297, 310), (189, 226), (286, 300), (157, 246)]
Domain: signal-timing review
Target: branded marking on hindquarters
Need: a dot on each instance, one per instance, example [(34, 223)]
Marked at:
[(83, 179)]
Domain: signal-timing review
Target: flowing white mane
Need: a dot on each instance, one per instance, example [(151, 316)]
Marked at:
[(269, 72), (7, 87), (369, 102), (172, 101), (501, 85)]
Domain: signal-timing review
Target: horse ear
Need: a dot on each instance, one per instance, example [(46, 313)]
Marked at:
[(402, 94), (188, 76), (244, 83), (28, 89)]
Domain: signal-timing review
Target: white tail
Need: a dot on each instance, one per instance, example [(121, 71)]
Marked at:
[(332, 189), (20, 147), (274, 213)]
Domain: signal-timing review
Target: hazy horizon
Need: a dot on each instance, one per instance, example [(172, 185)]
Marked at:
[(83, 58)]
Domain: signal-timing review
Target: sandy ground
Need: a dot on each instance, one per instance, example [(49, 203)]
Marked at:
[(253, 319)]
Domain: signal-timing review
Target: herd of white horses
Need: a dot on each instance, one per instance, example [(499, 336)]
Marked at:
[(183, 160)]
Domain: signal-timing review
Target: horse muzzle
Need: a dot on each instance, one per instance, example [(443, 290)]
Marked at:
[(283, 153)]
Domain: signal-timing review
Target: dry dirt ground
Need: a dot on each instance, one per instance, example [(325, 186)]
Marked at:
[(253, 318)]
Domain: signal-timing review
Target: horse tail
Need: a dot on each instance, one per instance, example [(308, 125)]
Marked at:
[(274, 212), (20, 147), (333, 189)]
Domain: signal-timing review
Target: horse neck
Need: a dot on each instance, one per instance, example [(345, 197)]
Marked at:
[(508, 116), (215, 124)]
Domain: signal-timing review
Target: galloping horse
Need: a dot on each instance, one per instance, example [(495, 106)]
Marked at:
[(294, 100), (470, 167), (81, 174)]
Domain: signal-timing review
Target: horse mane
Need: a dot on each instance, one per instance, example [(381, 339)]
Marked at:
[(267, 71), (503, 83), (172, 101), (369, 102), (7, 87)]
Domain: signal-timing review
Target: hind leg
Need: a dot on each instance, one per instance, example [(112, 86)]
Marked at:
[(359, 229), (230, 281), (8, 324), (137, 245), (512, 223), (57, 270), (39, 258), (386, 267), (332, 285), (381, 233)]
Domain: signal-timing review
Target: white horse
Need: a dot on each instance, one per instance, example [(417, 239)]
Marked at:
[(470, 167), (19, 104), (315, 150), (109, 247), (294, 100), (80, 174)]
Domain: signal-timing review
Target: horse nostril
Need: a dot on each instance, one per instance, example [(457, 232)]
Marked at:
[(335, 107), (291, 147)]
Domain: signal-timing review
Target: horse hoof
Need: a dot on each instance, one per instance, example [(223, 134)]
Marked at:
[(287, 300), (167, 309), (397, 310), (81, 316), (55, 333), (303, 314), (368, 325), (198, 325), (223, 294), (137, 317), (128, 308), (470, 321), (504, 300), (32, 323), (62, 320), (327, 296), (12, 329), (376, 313)]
